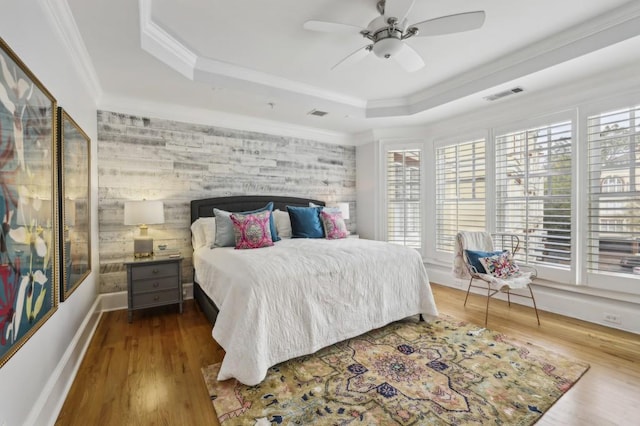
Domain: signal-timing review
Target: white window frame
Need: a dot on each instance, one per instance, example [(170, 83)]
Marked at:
[(408, 144), (621, 282), (565, 276), (442, 256)]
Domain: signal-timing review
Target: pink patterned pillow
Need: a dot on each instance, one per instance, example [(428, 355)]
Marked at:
[(334, 226), (252, 230), (500, 266)]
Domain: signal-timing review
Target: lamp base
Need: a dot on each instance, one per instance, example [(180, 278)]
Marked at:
[(142, 247)]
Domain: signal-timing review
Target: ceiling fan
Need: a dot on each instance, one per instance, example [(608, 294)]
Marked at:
[(389, 31)]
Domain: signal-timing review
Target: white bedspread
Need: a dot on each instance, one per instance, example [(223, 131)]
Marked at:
[(301, 295)]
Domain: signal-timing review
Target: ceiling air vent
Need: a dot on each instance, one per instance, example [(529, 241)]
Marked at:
[(503, 94), (318, 113)]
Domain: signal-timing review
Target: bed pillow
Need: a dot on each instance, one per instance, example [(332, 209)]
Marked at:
[(283, 223), (500, 265), (305, 222), (203, 232), (225, 237), (333, 224), (475, 255), (252, 230)]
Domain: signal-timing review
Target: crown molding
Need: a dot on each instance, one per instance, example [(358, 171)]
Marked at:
[(158, 42), (605, 30), (162, 45), (167, 111), (61, 18)]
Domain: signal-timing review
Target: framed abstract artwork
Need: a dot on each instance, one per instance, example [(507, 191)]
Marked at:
[(28, 199), (75, 239)]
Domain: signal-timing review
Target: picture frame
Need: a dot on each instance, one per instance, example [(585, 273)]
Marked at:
[(28, 204), (74, 159)]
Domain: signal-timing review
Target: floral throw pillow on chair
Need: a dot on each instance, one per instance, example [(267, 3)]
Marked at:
[(500, 266)]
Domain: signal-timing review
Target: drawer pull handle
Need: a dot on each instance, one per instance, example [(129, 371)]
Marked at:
[(156, 298), (156, 284), (155, 271)]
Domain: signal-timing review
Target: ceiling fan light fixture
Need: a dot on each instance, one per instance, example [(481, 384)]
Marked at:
[(387, 47)]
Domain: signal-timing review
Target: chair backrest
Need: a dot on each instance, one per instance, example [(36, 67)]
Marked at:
[(509, 242)]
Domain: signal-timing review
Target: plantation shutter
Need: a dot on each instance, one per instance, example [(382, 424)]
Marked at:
[(614, 191), (403, 198), (533, 192), (460, 191)]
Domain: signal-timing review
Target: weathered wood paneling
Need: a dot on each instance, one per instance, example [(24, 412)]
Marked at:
[(154, 159)]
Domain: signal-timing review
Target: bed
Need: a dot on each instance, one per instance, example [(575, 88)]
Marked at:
[(272, 304)]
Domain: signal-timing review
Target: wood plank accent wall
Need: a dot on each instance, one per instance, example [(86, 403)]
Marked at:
[(176, 162)]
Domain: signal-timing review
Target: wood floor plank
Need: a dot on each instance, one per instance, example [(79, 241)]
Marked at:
[(148, 372)]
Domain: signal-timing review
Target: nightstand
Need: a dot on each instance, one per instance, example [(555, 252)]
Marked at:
[(153, 281)]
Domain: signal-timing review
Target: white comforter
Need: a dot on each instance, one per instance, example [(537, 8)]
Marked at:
[(301, 295)]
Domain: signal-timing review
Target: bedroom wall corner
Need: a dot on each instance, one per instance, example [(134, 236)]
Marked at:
[(162, 159), (367, 189)]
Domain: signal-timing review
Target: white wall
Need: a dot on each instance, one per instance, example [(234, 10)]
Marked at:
[(35, 378), (611, 89)]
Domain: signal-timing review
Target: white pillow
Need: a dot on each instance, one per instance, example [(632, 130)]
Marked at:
[(203, 232), (283, 223)]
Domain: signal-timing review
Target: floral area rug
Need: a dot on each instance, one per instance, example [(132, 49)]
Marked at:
[(443, 372)]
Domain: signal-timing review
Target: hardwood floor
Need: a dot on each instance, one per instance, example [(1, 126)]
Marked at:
[(148, 372)]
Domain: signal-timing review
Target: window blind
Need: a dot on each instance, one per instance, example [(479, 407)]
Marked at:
[(614, 193), (460, 191), (533, 192), (403, 198)]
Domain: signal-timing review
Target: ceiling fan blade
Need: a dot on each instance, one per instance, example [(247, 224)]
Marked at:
[(409, 59), (353, 57), (450, 24), (331, 27), (398, 8)]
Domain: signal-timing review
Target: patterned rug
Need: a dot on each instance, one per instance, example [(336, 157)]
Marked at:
[(445, 372)]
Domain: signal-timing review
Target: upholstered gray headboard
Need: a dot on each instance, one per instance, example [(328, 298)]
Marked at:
[(239, 203)]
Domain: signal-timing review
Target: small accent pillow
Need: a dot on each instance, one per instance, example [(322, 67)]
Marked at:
[(252, 230), (501, 265), (334, 226), (283, 223), (225, 236), (305, 222), (475, 255)]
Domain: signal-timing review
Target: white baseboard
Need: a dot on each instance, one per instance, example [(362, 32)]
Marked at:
[(46, 409), (570, 302)]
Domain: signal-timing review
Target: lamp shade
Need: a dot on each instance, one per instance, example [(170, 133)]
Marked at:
[(143, 212), (344, 209)]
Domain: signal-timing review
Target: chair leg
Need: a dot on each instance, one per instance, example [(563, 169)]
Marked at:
[(468, 290), (535, 308), (486, 314), (508, 298)]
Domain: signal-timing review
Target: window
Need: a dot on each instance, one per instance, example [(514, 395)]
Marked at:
[(460, 191), (533, 192), (403, 198), (614, 192)]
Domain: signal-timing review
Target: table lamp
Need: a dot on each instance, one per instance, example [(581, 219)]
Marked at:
[(143, 213)]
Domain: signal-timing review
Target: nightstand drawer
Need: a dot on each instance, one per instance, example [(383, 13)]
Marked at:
[(142, 272), (156, 298), (158, 284)]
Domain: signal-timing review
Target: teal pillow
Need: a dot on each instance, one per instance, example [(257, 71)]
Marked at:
[(305, 222), (475, 255), (225, 235)]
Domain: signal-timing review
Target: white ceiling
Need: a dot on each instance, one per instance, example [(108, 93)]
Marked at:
[(253, 58)]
